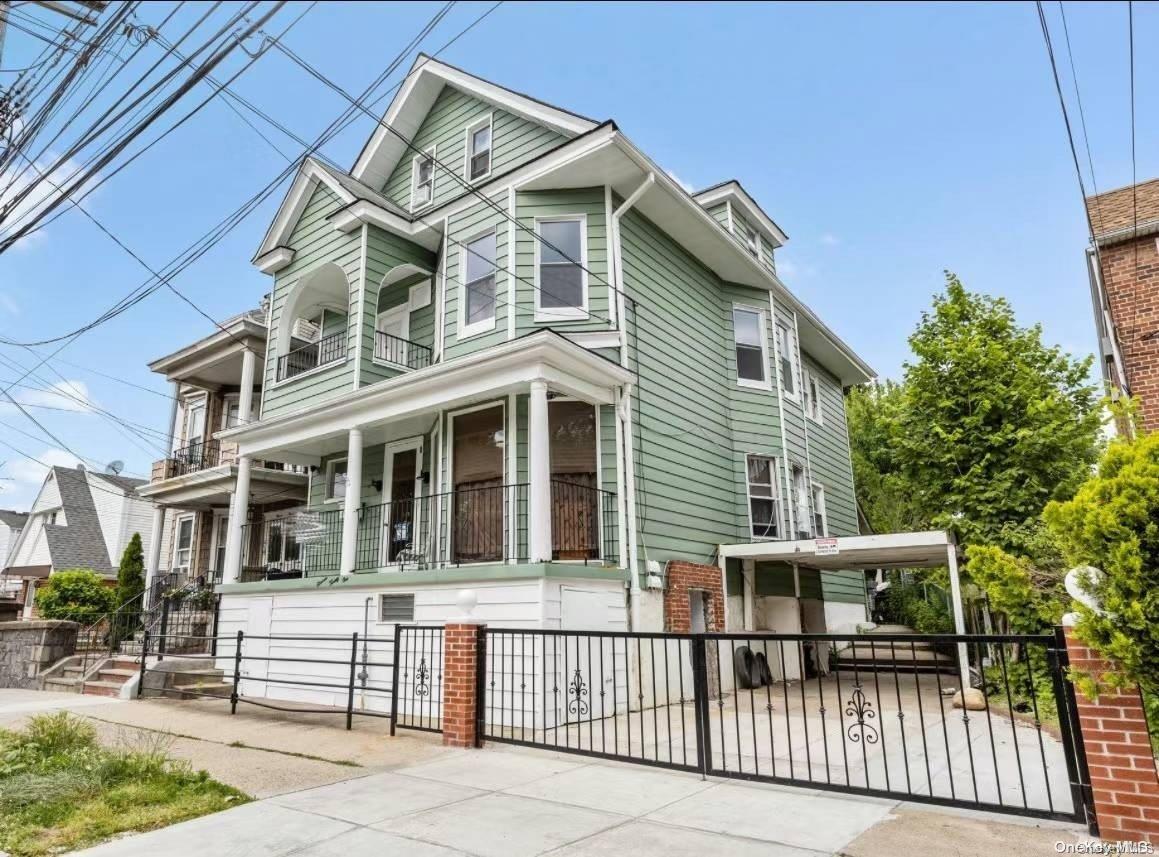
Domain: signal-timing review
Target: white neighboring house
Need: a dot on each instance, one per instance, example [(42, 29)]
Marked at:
[(11, 523), (79, 519)]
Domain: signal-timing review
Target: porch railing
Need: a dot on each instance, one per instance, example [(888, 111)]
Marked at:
[(476, 524), (193, 458), (401, 352), (328, 349)]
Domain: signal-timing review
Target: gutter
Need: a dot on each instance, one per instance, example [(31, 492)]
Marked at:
[(625, 406)]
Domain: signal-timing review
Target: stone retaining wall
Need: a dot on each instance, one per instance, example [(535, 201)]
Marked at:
[(28, 648)]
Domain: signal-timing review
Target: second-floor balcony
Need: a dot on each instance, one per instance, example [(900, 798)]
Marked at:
[(205, 455), (312, 355), (474, 525), (400, 352)]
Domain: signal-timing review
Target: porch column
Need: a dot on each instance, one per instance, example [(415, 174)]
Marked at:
[(352, 502), (239, 508), (749, 573), (245, 399), (539, 475), (959, 616), (153, 563)]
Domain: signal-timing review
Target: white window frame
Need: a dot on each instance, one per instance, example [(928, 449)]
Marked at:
[(790, 341), (174, 564), (414, 178), (778, 509), (190, 401), (328, 477), (468, 133), (550, 314), (766, 382), (465, 331), (800, 500), (817, 501), (753, 246), (236, 397), (219, 515), (280, 515), (812, 397)]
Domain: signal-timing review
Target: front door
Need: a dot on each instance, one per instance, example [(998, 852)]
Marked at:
[(401, 518)]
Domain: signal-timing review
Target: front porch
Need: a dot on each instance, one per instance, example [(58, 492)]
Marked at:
[(508, 456)]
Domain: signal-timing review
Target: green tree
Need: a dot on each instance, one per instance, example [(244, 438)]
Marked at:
[(1112, 523), (131, 575), (79, 594), (994, 423)]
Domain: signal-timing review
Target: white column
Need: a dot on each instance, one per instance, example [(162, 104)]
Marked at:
[(245, 399), (959, 616), (352, 502), (153, 562), (238, 512), (539, 475)]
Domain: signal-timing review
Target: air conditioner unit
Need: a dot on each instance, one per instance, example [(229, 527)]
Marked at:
[(305, 329)]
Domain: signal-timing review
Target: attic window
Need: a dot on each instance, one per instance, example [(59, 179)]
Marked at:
[(479, 149), (749, 237), (423, 179)]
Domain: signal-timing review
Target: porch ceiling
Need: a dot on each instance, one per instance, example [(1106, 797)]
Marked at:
[(927, 549), (209, 489), (407, 405)]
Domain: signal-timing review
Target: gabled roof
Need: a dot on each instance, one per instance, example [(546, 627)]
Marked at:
[(733, 192), (80, 543), (14, 520), (422, 86)]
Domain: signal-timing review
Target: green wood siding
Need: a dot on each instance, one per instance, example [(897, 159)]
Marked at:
[(589, 202), (315, 242), (719, 213), (514, 141), (847, 586)]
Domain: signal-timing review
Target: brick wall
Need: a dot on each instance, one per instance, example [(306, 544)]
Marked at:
[(683, 578), (1132, 284), (1122, 768), (460, 662)]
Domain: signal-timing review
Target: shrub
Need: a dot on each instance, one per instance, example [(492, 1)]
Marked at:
[(78, 594)]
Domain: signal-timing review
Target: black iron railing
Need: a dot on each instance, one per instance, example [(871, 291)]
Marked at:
[(328, 349), (401, 352), (192, 458)]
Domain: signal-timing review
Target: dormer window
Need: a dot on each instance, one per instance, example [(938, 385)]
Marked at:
[(479, 149), (422, 180), (748, 237)]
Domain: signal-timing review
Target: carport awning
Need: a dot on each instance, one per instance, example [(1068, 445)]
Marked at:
[(926, 549)]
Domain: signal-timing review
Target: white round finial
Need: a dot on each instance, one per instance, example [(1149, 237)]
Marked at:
[(1080, 583), (467, 600)]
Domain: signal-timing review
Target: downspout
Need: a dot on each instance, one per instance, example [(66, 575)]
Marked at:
[(625, 414)]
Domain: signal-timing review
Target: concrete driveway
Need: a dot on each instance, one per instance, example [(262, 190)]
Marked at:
[(503, 802)]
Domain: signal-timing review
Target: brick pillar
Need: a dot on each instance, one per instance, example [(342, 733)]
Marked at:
[(1122, 768), (460, 683), (684, 579)]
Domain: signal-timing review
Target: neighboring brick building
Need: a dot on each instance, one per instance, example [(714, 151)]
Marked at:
[(1125, 291)]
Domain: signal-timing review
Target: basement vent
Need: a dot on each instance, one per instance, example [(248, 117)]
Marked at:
[(396, 608)]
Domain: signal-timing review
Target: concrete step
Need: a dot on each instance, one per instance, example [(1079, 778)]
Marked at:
[(103, 688), (198, 690), (62, 685), (189, 677), (114, 675), (123, 663)]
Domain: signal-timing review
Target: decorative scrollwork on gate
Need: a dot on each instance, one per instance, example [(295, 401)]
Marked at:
[(576, 691), (862, 709), (422, 679)]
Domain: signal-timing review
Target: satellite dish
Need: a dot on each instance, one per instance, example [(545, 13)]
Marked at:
[(114, 468)]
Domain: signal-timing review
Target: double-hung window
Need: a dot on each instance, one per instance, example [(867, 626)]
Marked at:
[(478, 289), (183, 545), (800, 489), (336, 476), (422, 192), (820, 521), (813, 397), (764, 499), (748, 331), (748, 237), (561, 287), (786, 349), (479, 150)]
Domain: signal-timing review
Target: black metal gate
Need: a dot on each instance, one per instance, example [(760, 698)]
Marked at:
[(870, 714)]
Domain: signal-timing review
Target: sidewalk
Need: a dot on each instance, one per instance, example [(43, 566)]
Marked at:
[(502, 802)]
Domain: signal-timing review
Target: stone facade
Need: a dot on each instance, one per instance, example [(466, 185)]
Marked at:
[(28, 648)]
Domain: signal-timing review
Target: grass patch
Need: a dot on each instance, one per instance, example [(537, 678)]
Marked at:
[(61, 790)]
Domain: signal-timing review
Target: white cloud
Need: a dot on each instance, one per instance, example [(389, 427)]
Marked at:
[(8, 304), (21, 478), (680, 181), (829, 239), (65, 395), (43, 193)]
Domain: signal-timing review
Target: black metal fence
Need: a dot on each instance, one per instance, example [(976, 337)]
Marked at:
[(397, 677), (193, 458), (870, 714), (401, 352), (328, 349)]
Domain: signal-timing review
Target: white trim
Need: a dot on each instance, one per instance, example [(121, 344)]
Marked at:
[(817, 490), (360, 317), (802, 500), (441, 296), (402, 311), (274, 260), (431, 153), (732, 192), (462, 329), (511, 261), (386, 496), (218, 516), (621, 500), (174, 548), (776, 498), (315, 371), (794, 372), (781, 407), (599, 480), (811, 397), (594, 338), (487, 120), (450, 445), (556, 314), (750, 383), (328, 476), (510, 439), (613, 308)]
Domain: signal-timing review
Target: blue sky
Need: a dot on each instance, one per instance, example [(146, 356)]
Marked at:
[(889, 141)]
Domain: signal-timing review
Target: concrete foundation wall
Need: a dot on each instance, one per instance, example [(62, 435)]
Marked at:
[(28, 648)]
